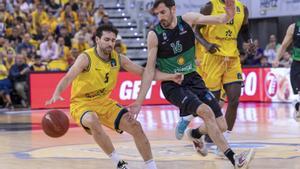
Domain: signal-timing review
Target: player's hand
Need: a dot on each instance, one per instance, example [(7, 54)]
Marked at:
[(275, 63), (134, 110), (177, 78), (54, 99), (230, 8), (213, 48)]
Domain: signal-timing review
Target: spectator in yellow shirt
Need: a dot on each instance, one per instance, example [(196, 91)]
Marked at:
[(39, 16), (80, 43)]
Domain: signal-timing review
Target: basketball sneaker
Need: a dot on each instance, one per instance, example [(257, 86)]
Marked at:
[(198, 144), (122, 165), (243, 159), (180, 128)]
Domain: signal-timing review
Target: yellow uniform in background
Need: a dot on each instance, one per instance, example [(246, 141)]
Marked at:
[(91, 90), (222, 67)]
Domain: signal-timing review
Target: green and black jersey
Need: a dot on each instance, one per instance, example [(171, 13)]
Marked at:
[(176, 48), (296, 40)]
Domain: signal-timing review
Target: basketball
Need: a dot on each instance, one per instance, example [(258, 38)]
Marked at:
[(55, 123)]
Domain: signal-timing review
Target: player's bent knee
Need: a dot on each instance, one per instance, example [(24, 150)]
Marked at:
[(205, 112), (90, 120)]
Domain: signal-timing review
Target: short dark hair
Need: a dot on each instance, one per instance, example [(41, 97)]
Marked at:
[(106, 27), (168, 3)]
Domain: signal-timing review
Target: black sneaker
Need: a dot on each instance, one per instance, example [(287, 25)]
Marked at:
[(122, 165)]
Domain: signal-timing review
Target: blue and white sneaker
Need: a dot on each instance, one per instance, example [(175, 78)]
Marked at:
[(180, 128)]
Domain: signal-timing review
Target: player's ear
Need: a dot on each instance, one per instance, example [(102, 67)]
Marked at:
[(173, 9), (97, 39)]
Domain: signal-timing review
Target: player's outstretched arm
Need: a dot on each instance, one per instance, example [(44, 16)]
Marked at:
[(80, 65), (130, 66), (194, 18), (286, 42), (148, 75)]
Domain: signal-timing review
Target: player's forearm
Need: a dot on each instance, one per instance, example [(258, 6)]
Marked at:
[(146, 83), (200, 38), (281, 51), (213, 20), (163, 76), (246, 33), (62, 85)]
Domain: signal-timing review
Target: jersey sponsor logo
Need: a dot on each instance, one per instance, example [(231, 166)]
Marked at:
[(182, 30), (100, 92), (184, 69), (271, 84), (181, 60)]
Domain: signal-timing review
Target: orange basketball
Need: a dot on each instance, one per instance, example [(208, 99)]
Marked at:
[(55, 123)]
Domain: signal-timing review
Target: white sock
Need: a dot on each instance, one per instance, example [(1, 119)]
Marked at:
[(114, 157), (150, 164), (188, 117), (227, 134)]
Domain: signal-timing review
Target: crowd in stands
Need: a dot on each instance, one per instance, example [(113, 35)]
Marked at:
[(48, 35), (43, 35), (264, 57)]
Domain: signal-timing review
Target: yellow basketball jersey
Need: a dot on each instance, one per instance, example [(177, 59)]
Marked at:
[(225, 35), (99, 79)]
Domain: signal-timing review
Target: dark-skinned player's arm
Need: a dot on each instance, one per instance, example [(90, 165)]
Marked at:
[(210, 47)]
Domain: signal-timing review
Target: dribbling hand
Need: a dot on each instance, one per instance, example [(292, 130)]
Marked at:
[(54, 99)]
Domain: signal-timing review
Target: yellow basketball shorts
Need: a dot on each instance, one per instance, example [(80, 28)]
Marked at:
[(109, 112), (219, 70), (223, 93)]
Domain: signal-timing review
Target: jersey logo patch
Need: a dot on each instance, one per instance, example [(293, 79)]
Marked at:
[(113, 63), (180, 60)]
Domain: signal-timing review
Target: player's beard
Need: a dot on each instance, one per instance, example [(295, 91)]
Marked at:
[(106, 50), (167, 23)]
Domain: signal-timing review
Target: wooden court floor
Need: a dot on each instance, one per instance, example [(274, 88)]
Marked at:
[(269, 128)]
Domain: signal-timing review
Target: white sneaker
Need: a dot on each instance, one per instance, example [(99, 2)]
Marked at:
[(199, 144), (243, 159)]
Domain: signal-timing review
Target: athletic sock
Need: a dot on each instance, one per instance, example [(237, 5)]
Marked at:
[(230, 155), (196, 133)]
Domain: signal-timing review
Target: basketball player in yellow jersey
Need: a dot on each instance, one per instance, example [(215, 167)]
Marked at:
[(221, 62), (219, 56), (94, 75)]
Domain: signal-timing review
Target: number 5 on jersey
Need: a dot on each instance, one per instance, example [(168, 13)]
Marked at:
[(106, 77)]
